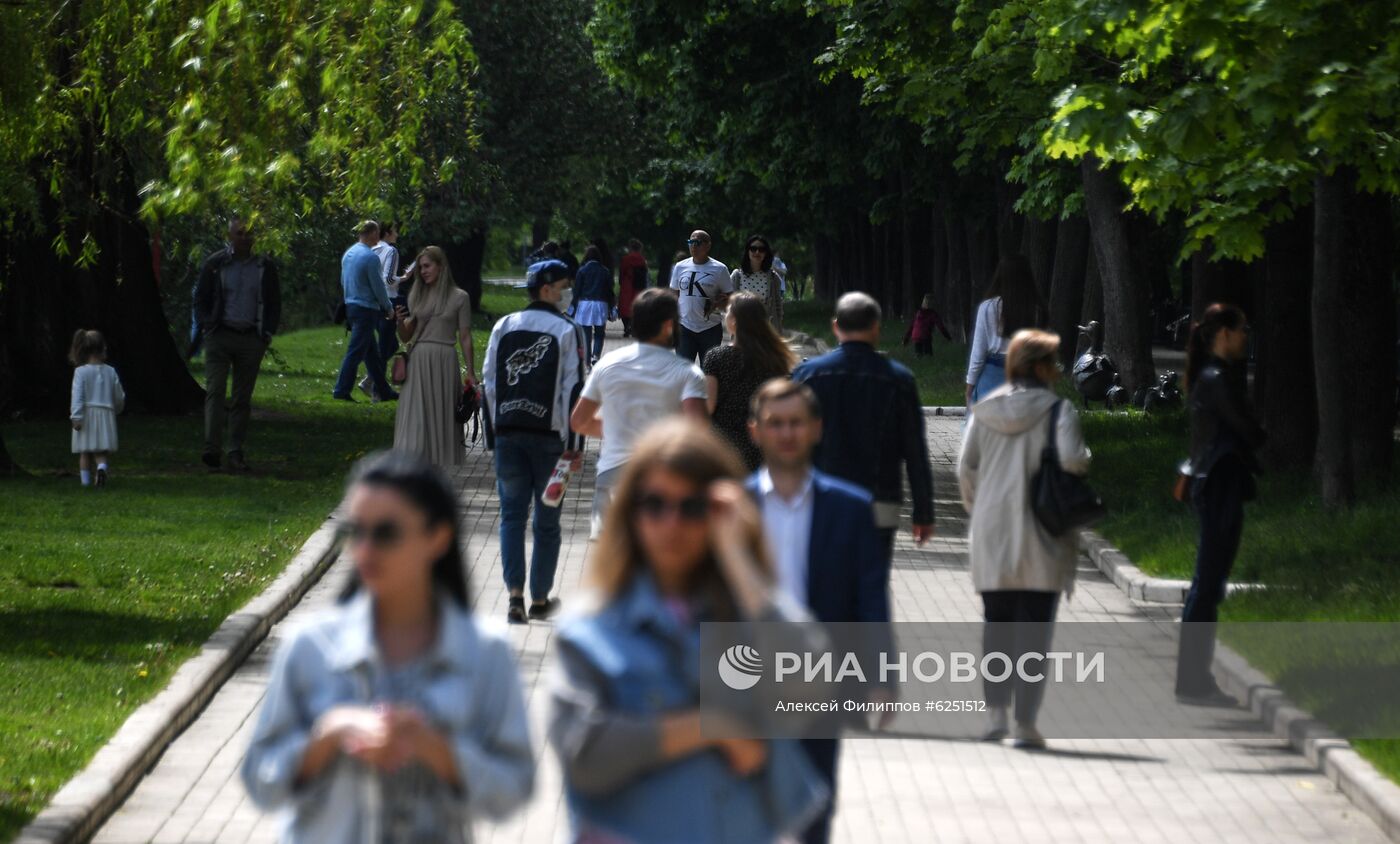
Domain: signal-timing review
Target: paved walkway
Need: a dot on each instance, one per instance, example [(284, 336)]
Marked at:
[(891, 790)]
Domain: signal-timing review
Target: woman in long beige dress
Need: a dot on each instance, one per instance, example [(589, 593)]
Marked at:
[(437, 322)]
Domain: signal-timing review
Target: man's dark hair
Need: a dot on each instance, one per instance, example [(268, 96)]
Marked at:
[(549, 248), (857, 311), (388, 228), (651, 310), (592, 253)]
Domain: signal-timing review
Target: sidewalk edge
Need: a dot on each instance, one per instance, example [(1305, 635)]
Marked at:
[(1368, 789), (83, 803), (1133, 581)]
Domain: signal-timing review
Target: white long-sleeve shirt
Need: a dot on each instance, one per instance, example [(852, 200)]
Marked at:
[(96, 385), (986, 338)]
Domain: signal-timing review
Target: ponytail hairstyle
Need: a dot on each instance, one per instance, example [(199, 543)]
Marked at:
[(1202, 338), (428, 491), (86, 344)]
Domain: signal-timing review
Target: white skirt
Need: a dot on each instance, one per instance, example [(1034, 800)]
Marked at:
[(591, 312), (99, 431)]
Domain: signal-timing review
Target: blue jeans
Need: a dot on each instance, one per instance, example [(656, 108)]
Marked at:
[(593, 339), (993, 376), (524, 463), (362, 347)]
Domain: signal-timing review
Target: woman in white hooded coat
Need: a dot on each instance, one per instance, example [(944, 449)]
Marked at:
[(1018, 567)]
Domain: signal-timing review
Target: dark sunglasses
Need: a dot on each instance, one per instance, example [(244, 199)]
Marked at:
[(691, 508), (381, 535), (758, 249), (695, 242)]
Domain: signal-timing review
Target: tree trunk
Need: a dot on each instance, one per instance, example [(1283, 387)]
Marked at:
[(1124, 297), (8, 467), (1093, 299), (1010, 226), (465, 257), (1353, 321), (539, 231), (911, 290), (1038, 244), (1219, 281), (957, 310), (1284, 385), (1067, 284)]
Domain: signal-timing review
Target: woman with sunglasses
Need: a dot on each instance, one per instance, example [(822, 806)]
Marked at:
[(395, 716), (681, 545), (755, 275), (1224, 435)]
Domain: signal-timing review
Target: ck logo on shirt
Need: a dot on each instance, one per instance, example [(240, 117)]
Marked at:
[(526, 360)]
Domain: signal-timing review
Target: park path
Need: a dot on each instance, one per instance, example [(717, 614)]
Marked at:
[(891, 790)]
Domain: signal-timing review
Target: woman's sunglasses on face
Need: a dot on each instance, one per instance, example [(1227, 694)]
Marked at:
[(656, 507), (758, 250), (381, 535)]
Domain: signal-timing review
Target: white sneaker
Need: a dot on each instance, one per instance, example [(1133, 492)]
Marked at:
[(998, 721), (1029, 738)]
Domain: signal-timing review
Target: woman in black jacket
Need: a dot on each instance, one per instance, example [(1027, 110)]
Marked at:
[(1224, 436)]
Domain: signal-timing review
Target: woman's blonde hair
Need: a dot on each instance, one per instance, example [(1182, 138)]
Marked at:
[(1029, 347), (431, 300), (693, 451)]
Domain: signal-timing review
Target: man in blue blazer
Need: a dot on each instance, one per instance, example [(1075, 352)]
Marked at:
[(821, 533)]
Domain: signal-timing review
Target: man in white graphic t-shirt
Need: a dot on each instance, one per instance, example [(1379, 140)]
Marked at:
[(702, 284), (632, 387)]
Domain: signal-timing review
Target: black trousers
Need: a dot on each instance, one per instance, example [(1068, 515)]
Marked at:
[(1219, 502), (694, 344), (1019, 622), (823, 755)]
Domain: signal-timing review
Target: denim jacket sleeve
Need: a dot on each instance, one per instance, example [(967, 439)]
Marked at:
[(283, 729), (494, 757)]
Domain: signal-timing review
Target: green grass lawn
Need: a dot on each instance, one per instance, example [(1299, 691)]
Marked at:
[(104, 594), (939, 376)]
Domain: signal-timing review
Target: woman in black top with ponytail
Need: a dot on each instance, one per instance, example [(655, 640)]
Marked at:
[(1224, 436)]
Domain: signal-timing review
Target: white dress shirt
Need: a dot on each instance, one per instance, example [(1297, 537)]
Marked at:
[(788, 525)]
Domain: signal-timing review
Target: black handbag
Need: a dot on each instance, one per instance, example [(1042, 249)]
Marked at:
[(1062, 502)]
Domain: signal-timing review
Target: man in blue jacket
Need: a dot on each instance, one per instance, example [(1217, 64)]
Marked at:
[(873, 428), (366, 306), (821, 534)]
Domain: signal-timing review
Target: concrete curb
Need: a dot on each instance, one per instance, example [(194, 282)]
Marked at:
[(85, 801), (945, 410), (1368, 790), (1135, 583)]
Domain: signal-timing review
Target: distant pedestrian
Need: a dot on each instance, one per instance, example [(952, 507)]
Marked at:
[(395, 716), (821, 534), (97, 398), (1225, 433), (684, 545), (702, 285), (631, 388), (366, 306), (593, 301), (631, 281), (872, 421), (733, 373), (533, 372), (926, 321), (1011, 304), (1017, 566), (437, 322), (388, 254), (781, 268), (238, 307), (567, 256), (755, 275)]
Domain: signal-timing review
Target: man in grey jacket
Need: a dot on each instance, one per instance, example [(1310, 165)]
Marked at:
[(237, 306)]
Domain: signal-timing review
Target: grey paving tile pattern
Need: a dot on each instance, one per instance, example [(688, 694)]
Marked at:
[(891, 790)]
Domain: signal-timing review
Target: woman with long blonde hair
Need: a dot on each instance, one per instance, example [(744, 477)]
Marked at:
[(682, 544), (436, 322)]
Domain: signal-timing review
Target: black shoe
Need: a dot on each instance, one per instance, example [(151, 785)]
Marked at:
[(544, 609), (101, 479), (516, 613), (1214, 698), (346, 397), (211, 459), (236, 462)]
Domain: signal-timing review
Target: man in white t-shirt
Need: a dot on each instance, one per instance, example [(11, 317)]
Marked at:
[(702, 286), (633, 387)]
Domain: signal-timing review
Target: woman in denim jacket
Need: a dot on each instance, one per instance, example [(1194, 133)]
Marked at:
[(682, 544), (395, 717)]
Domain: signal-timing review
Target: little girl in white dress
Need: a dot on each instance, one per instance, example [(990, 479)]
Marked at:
[(97, 399)]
